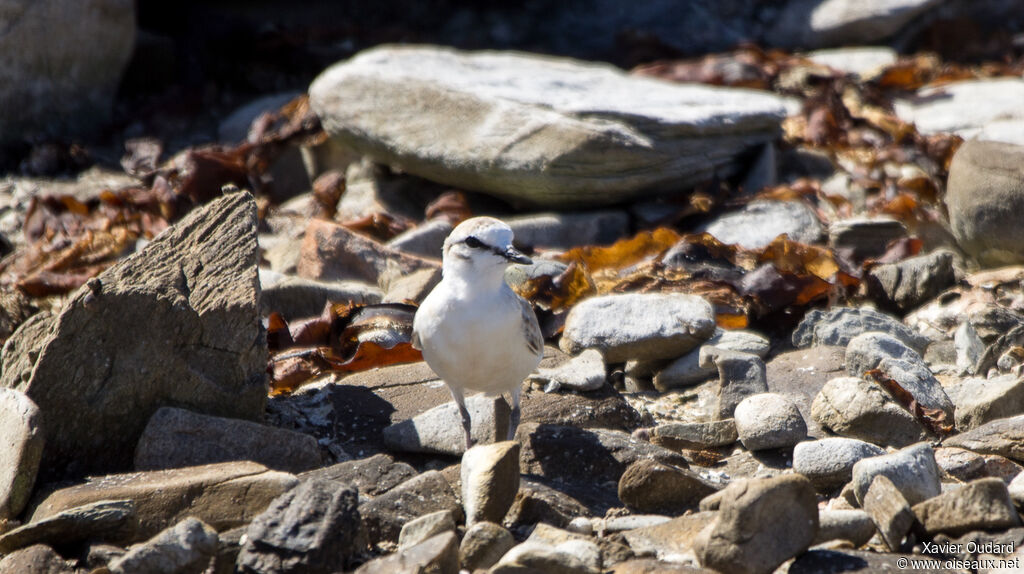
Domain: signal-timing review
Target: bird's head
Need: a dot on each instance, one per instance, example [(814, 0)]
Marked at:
[(481, 245)]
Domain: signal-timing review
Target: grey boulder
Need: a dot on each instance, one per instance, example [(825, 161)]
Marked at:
[(547, 131), (177, 323), (638, 325)]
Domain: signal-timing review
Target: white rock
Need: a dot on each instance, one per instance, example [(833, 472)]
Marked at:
[(638, 325), (760, 222), (861, 61), (537, 129), (968, 109), (769, 420)]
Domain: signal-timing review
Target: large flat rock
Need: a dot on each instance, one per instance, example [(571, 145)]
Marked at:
[(534, 129), (222, 495), (177, 323)]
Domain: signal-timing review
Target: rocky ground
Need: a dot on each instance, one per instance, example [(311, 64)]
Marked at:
[(782, 296)]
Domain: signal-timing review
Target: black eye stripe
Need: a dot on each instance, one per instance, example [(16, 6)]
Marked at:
[(474, 242)]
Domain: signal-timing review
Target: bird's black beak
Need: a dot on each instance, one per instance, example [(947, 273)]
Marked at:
[(516, 256)]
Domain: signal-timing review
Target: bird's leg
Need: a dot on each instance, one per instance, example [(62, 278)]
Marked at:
[(513, 422), (466, 423)]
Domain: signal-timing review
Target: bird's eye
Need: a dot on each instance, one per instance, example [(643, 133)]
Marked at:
[(474, 242)]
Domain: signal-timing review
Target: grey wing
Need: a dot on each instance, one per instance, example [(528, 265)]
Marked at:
[(531, 329)]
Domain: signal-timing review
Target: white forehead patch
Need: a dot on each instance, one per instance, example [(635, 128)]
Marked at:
[(488, 230)]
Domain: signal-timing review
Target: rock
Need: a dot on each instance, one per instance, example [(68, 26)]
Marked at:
[(889, 511), (686, 370), (669, 540), (828, 462), (424, 527), (969, 348), (311, 528), (740, 375), (384, 515), (603, 408), (761, 523), (286, 175), (439, 430), (979, 401), (653, 487), (537, 556), (840, 325), (176, 323), (371, 476), (983, 504), (438, 554), (693, 436), (769, 420), (863, 238), (584, 455), (1004, 437), (651, 566), (333, 252), (517, 275), (824, 23), (599, 552), (62, 90), (567, 230), (802, 374), (228, 547), (853, 525), (860, 61), (624, 327), (490, 481), (875, 350), (412, 287), (96, 520), (974, 109), (185, 548), (483, 545), (584, 372), (760, 222), (425, 240), (905, 285), (15, 306), (37, 559), (600, 142), (20, 452), (863, 561), (176, 438), (235, 128), (959, 463), (222, 495), (298, 297), (912, 470), (1016, 490), (854, 408), (536, 502), (984, 191)]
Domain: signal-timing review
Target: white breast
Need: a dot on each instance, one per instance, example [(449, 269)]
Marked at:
[(477, 344)]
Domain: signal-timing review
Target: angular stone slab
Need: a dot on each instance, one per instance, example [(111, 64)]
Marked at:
[(983, 504), (222, 495), (536, 129), (175, 323), (93, 520), (1004, 437), (176, 438)]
